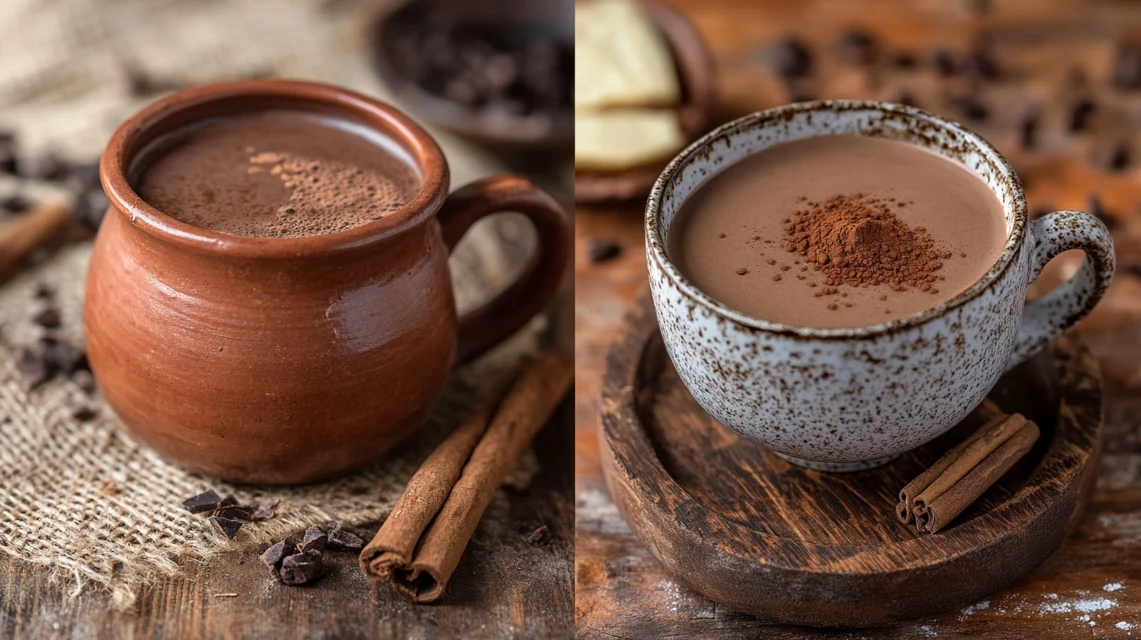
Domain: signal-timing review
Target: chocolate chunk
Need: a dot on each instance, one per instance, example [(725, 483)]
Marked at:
[(62, 356), (275, 554), (84, 380), (41, 166), (35, 368), (226, 527), (981, 63), (48, 318), (1080, 114), (302, 568), (540, 536), (791, 59), (858, 47), (83, 413), (603, 249), (229, 500), (341, 539), (314, 539), (89, 206), (7, 152), (234, 512), (265, 511), (1096, 210), (203, 502), (43, 292), (16, 203), (1127, 67), (1028, 127), (944, 62)]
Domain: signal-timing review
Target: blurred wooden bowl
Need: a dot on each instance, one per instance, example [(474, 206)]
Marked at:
[(512, 20), (694, 64)]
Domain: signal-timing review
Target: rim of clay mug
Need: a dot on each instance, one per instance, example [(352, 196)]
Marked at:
[(197, 104), (657, 245)]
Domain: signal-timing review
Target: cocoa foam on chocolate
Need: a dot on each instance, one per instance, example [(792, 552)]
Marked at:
[(732, 237), (276, 173)]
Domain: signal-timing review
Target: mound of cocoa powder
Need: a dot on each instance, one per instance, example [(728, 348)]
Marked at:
[(858, 240)]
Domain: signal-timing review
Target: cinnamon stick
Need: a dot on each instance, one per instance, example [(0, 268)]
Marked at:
[(990, 413), (944, 509), (525, 408), (425, 493), (25, 234)]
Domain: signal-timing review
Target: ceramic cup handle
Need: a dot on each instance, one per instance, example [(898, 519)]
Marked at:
[(1060, 309), (483, 328)]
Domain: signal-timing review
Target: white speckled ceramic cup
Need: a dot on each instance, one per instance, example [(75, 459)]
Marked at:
[(854, 398)]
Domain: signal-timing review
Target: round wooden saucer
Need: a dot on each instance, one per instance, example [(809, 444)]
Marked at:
[(695, 72), (797, 546)]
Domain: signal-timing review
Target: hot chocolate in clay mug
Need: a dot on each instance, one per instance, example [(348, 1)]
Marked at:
[(852, 398)]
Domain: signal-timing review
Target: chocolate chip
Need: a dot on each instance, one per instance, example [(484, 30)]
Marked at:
[(1113, 157), (314, 539), (603, 249), (234, 512), (84, 380), (1080, 113), (83, 413), (62, 355), (265, 511), (1028, 127), (1127, 67), (226, 527), (858, 47), (43, 291), (16, 203), (944, 62), (540, 536), (48, 318), (1096, 210), (229, 500), (35, 368), (302, 568), (791, 59), (203, 502), (341, 539), (904, 60), (41, 166)]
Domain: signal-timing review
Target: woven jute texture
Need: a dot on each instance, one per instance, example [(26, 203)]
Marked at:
[(84, 497)]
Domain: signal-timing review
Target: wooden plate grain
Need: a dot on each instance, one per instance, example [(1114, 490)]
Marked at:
[(698, 80), (796, 546)]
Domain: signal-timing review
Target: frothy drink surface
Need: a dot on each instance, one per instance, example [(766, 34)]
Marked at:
[(276, 173), (838, 231)]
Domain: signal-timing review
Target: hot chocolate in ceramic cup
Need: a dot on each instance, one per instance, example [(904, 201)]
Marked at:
[(843, 281), (268, 298)]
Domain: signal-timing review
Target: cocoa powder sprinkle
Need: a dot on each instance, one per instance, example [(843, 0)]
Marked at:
[(857, 240)]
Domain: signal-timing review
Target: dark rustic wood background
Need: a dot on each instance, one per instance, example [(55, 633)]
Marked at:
[(1051, 54)]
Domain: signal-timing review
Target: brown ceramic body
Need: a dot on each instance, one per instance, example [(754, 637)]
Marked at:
[(290, 360)]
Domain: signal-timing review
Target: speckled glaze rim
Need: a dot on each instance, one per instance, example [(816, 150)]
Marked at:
[(656, 244), (215, 100)]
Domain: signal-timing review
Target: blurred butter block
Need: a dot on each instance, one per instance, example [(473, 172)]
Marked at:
[(620, 139), (620, 58)]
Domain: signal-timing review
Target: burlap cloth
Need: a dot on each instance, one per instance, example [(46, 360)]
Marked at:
[(86, 498)]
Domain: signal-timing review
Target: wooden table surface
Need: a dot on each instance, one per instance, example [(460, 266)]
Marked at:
[(1091, 588)]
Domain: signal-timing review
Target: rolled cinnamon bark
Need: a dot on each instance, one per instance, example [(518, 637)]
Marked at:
[(990, 414), (30, 231), (992, 436), (942, 510), (425, 493), (522, 412)]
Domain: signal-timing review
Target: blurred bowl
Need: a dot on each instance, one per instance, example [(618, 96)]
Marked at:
[(514, 23), (694, 64)]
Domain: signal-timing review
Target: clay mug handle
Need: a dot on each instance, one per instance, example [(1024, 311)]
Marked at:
[(486, 326), (1049, 316)]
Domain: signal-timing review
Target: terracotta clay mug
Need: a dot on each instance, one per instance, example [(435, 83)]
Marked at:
[(283, 360), (853, 398)]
